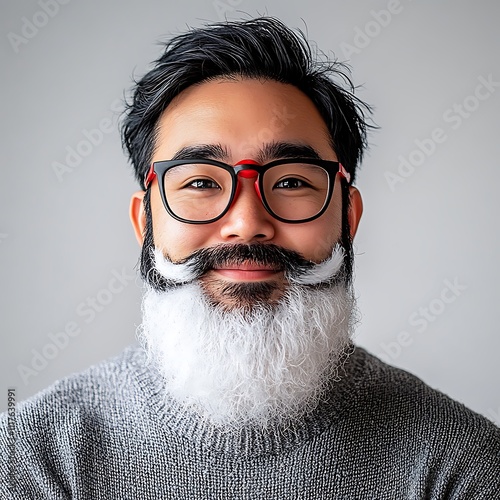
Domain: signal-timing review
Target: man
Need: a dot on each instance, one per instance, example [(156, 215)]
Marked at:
[(247, 384)]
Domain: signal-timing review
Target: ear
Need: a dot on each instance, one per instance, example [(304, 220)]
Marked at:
[(138, 215), (355, 210)]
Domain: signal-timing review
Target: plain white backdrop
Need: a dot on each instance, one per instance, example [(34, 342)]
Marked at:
[(428, 243)]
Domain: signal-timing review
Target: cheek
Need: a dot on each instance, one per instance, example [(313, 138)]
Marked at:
[(318, 240), (315, 240), (176, 239), (179, 240)]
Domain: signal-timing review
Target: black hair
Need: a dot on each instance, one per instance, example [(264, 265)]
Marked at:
[(262, 48)]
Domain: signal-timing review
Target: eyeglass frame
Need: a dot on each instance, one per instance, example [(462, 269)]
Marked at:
[(248, 169)]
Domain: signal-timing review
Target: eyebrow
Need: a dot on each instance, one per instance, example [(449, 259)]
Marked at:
[(270, 151), (202, 152), (286, 150)]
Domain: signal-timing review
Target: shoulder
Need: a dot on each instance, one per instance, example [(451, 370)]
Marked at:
[(384, 383), (89, 387), (45, 438), (390, 390), (404, 414), (77, 400)]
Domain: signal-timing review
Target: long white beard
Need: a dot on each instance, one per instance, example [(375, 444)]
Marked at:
[(239, 367)]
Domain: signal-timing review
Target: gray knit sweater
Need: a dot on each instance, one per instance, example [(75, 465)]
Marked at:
[(379, 434)]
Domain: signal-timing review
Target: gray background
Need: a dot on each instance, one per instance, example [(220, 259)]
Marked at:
[(62, 238)]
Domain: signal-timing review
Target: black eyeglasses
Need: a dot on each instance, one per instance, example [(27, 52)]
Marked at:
[(199, 191)]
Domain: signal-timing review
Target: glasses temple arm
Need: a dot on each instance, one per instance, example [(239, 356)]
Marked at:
[(344, 173), (149, 177)]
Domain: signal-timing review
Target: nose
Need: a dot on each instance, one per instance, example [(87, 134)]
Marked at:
[(247, 220)]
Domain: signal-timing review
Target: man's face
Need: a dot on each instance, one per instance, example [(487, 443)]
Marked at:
[(244, 118), (218, 345)]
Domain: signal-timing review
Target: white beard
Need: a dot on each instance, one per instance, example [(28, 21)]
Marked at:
[(243, 367)]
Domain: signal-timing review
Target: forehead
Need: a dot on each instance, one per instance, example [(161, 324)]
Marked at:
[(241, 115)]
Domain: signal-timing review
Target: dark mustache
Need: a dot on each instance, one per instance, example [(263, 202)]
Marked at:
[(280, 259)]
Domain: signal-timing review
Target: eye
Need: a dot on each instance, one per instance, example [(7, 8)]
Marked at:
[(291, 183), (203, 184)]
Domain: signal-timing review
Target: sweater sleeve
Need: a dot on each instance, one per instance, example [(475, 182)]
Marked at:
[(439, 449), (29, 469), (472, 469)]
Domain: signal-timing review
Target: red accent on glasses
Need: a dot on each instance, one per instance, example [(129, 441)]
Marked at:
[(248, 174), (247, 162), (150, 176), (344, 173)]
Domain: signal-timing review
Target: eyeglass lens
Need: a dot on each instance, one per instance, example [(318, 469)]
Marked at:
[(200, 192)]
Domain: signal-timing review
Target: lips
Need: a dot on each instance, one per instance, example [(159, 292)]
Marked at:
[(242, 262), (247, 271), (247, 266)]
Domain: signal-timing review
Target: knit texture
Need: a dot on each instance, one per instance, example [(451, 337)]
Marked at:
[(379, 433)]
